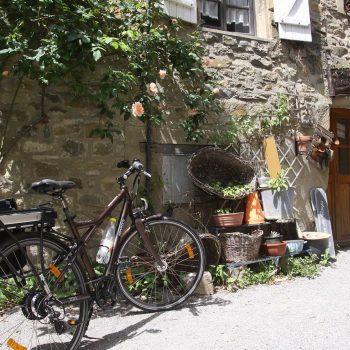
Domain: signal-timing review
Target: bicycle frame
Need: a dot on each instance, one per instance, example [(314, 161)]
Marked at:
[(80, 240), (92, 225)]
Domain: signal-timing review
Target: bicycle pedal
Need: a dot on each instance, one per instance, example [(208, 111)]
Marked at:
[(124, 262)]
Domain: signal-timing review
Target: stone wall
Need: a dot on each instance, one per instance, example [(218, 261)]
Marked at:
[(254, 70)]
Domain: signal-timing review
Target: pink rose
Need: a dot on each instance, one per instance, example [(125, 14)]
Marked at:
[(137, 109), (152, 89), (206, 61), (162, 73)]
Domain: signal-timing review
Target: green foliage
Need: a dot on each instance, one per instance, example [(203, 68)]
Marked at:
[(325, 259), (254, 127), (239, 128), (301, 266), (278, 117), (223, 211), (264, 274), (232, 190), (268, 272), (280, 182), (135, 41), (221, 275)]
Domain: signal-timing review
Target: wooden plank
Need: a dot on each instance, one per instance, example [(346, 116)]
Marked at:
[(294, 32), (342, 216), (271, 156), (293, 17)]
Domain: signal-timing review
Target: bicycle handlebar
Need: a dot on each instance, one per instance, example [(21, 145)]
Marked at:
[(136, 166)]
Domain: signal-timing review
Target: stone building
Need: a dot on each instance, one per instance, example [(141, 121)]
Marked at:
[(261, 50)]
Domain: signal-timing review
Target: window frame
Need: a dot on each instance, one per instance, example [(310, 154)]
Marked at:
[(222, 16)]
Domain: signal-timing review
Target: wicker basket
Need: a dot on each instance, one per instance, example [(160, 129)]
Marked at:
[(237, 246), (213, 164), (212, 248)]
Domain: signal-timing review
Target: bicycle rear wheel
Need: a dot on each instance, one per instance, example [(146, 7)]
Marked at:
[(30, 319), (143, 284)]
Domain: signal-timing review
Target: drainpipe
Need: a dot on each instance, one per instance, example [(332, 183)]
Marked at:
[(148, 156)]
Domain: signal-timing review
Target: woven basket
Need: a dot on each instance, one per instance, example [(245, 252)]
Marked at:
[(237, 246), (212, 248), (213, 164)]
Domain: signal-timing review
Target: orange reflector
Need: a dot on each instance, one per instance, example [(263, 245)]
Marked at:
[(14, 345), (55, 271), (190, 251), (129, 275), (72, 322)]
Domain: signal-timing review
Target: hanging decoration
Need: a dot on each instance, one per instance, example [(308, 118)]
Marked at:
[(317, 147), (347, 7)]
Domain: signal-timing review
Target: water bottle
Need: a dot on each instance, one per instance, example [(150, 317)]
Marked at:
[(104, 252)]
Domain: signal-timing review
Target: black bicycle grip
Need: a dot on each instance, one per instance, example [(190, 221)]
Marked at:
[(123, 164)]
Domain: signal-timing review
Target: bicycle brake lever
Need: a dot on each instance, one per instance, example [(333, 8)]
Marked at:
[(147, 174)]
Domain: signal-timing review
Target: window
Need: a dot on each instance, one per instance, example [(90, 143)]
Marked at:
[(229, 15)]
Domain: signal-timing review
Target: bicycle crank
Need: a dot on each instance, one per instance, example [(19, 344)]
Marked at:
[(106, 293)]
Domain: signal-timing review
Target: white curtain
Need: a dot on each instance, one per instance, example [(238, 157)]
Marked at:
[(237, 2), (210, 9), (237, 16)]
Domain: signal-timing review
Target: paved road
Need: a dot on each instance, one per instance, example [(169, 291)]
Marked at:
[(298, 314)]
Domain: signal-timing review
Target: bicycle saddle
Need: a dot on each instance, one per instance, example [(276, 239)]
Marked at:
[(47, 186)]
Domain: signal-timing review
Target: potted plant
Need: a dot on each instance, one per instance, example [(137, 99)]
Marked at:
[(263, 180), (274, 249), (274, 245), (275, 237), (225, 217), (278, 198)]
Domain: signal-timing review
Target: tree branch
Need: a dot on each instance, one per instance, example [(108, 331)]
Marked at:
[(24, 131), (7, 120)]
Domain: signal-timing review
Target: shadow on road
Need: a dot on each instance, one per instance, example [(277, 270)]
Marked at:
[(110, 340), (125, 310)]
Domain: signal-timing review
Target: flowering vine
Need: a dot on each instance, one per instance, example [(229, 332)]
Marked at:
[(148, 58)]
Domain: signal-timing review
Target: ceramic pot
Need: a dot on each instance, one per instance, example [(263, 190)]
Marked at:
[(275, 249), (318, 241), (273, 239), (227, 220)]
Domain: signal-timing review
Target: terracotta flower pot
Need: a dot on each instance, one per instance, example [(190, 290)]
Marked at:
[(274, 249), (227, 220)]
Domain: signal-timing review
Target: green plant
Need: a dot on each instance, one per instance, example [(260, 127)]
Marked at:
[(280, 182), (279, 116), (145, 56), (223, 211), (238, 129), (232, 190), (254, 127), (265, 273), (301, 266), (221, 275), (325, 258)]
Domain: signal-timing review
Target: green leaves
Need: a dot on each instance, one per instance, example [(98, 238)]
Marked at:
[(64, 39), (232, 191), (280, 182)]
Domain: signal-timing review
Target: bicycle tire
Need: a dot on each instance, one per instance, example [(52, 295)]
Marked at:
[(145, 286), (29, 323)]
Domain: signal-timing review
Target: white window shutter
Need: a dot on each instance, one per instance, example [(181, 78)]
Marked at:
[(184, 9), (293, 17)]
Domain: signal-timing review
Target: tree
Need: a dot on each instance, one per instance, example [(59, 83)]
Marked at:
[(147, 56)]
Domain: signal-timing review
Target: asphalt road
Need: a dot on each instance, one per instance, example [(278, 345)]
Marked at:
[(298, 314)]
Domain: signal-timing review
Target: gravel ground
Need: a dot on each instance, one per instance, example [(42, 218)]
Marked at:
[(296, 314)]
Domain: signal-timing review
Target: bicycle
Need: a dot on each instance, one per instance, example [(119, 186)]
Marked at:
[(156, 263)]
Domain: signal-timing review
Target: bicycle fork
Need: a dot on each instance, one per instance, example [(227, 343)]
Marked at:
[(161, 265)]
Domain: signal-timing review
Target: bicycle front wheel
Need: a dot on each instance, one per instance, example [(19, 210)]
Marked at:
[(30, 317), (147, 286)]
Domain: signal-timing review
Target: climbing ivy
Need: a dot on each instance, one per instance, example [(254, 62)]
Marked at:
[(147, 58)]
